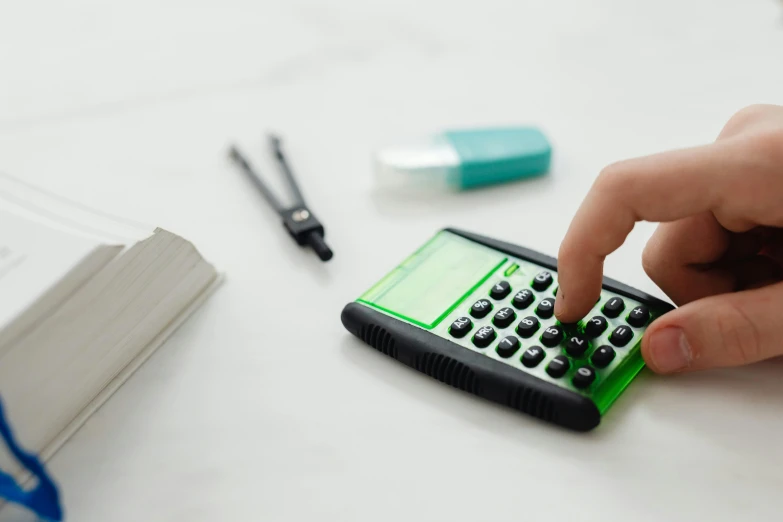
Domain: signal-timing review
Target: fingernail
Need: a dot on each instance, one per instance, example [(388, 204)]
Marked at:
[(669, 350)]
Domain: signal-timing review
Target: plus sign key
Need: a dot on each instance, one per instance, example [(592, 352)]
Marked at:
[(639, 316)]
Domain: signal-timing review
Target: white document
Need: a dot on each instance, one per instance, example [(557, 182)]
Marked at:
[(34, 259)]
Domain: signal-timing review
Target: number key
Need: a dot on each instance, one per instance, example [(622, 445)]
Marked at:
[(577, 346), (545, 308), (508, 346), (532, 356), (583, 377), (596, 326), (552, 336), (558, 366), (528, 326)]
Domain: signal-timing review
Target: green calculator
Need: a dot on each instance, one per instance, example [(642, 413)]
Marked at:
[(478, 314)]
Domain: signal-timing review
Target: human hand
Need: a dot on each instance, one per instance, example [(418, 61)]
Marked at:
[(718, 252)]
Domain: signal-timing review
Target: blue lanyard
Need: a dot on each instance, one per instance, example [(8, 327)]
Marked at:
[(43, 499)]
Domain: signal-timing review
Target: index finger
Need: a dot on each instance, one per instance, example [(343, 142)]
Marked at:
[(662, 187)]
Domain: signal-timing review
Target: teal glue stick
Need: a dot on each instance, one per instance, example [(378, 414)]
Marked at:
[(466, 158)]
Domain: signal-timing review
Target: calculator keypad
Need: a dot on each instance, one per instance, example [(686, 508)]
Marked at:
[(528, 327), (460, 327), (533, 356), (620, 336), (542, 281), (596, 326), (504, 317), (639, 316), (508, 346), (484, 336), (552, 336), (584, 377), (614, 307), (481, 308), (577, 345), (576, 356), (523, 299), (558, 366), (602, 356), (500, 290), (546, 308)]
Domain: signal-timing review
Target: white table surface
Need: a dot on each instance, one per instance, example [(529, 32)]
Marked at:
[(263, 407)]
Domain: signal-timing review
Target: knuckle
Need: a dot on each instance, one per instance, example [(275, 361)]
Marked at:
[(752, 111), (651, 261), (608, 177), (770, 144), (741, 336), (743, 118)]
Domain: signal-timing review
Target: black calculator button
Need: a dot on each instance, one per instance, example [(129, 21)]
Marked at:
[(480, 308), (552, 336), (528, 326), (542, 281), (614, 307), (508, 346), (583, 377), (577, 345), (504, 317), (602, 356), (533, 356), (500, 290), (558, 366), (595, 326), (639, 316), (522, 299), (484, 336), (460, 327), (621, 335), (545, 308)]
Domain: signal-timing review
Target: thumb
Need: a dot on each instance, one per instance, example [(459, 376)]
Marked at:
[(718, 331)]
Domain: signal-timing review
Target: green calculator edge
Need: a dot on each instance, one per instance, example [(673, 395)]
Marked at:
[(476, 313)]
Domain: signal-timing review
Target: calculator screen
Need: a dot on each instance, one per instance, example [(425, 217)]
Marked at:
[(431, 282)]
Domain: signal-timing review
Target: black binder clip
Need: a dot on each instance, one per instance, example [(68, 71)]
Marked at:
[(299, 220)]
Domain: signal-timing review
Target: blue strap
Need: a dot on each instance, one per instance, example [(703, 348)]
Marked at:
[(43, 499)]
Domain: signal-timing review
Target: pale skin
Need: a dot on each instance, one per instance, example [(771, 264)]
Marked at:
[(717, 252)]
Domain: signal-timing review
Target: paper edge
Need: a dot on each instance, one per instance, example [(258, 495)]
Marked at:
[(137, 362), (115, 384)]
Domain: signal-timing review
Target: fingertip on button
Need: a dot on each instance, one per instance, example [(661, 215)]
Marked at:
[(564, 310), (560, 307)]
